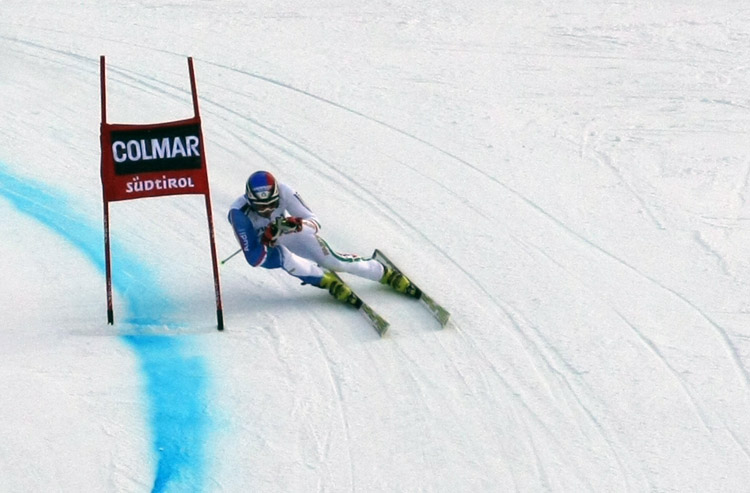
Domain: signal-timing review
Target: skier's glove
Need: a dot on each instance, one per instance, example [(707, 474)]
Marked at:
[(280, 226), (271, 233), (290, 225)]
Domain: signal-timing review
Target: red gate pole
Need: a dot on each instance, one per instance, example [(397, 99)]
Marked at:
[(207, 196), (107, 256)]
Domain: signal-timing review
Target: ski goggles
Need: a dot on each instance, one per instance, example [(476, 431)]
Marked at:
[(264, 206)]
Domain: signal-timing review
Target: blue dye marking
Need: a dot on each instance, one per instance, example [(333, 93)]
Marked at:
[(177, 386), (176, 381)]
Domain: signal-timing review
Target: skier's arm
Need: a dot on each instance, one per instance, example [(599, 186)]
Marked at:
[(296, 207), (256, 253)]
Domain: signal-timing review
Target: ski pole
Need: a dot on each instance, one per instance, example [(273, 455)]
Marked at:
[(229, 257)]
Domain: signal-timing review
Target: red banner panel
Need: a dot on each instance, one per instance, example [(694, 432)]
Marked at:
[(153, 160)]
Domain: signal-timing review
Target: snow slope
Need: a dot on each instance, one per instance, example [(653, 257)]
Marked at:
[(570, 178)]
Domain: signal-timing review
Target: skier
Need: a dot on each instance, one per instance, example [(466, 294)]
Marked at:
[(277, 230)]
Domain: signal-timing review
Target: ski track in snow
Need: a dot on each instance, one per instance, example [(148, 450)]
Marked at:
[(333, 378), (606, 160), (697, 408)]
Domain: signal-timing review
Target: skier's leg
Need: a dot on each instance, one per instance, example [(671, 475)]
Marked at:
[(310, 273), (307, 271), (303, 269), (368, 268), (315, 248), (259, 255)]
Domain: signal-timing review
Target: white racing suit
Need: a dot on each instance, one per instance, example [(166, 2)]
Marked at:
[(303, 254)]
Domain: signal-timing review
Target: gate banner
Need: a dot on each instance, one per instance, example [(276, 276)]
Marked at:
[(153, 160)]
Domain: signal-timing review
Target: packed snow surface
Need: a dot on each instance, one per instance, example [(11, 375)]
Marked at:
[(570, 179)]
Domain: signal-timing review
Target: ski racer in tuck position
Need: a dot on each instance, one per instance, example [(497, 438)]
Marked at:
[(277, 230)]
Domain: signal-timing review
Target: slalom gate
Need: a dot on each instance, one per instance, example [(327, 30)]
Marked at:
[(154, 160)]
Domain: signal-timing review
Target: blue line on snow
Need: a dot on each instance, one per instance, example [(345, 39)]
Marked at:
[(176, 382)]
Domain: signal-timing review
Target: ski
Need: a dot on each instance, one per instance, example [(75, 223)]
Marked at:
[(378, 323), (436, 309)]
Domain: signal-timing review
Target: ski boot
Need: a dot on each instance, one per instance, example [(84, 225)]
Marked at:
[(399, 282), (338, 289)]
